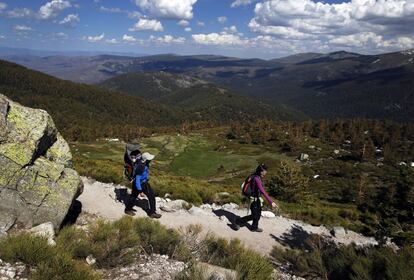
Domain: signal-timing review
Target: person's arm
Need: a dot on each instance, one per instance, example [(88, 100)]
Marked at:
[(259, 185)]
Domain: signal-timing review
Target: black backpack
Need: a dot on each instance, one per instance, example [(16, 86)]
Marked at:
[(248, 188), (128, 163)]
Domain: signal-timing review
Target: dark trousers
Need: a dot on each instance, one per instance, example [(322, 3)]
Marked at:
[(256, 209), (146, 189)]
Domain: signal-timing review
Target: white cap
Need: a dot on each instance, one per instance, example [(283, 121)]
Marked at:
[(147, 156)]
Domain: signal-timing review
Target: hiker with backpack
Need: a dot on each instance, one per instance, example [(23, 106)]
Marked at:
[(253, 188), (140, 183)]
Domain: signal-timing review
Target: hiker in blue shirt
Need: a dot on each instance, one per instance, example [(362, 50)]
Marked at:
[(141, 186)]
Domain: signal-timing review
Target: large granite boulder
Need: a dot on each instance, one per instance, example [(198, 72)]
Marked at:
[(37, 182)]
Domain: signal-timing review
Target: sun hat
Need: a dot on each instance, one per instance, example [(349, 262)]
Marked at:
[(147, 156)]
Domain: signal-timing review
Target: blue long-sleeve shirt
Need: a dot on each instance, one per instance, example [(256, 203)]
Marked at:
[(141, 175)]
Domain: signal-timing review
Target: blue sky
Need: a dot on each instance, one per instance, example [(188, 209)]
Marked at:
[(243, 28)]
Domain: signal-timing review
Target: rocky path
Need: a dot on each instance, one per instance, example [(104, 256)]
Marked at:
[(106, 201)]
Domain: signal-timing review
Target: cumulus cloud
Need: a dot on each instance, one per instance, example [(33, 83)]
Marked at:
[(222, 19), (187, 29), (95, 39), (53, 8), (59, 36), (3, 6), (183, 23), (22, 28), (20, 13), (70, 21), (231, 29), (147, 24), (167, 39), (2, 37), (110, 10), (374, 24), (129, 39), (219, 39), (200, 23), (169, 9), (112, 41), (238, 3)]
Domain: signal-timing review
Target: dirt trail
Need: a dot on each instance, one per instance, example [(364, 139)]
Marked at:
[(105, 200)]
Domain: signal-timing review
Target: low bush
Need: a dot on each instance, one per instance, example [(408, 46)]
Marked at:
[(49, 262), (325, 260), (233, 255)]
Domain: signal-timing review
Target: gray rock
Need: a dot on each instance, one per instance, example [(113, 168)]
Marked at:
[(206, 207), (268, 214), (223, 194), (178, 204), (303, 157), (90, 260), (230, 206), (46, 230), (196, 211), (338, 232), (166, 208), (37, 184)]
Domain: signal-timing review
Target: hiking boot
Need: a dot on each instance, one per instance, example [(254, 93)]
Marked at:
[(256, 230), (155, 216), (129, 212)]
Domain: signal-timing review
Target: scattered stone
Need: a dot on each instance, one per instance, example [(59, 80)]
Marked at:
[(12, 271), (178, 204), (268, 214), (230, 206), (338, 232), (166, 208), (90, 260), (316, 176), (311, 147), (223, 194), (206, 207), (146, 268), (160, 200), (167, 195), (168, 200), (45, 230), (303, 157), (336, 152), (196, 211)]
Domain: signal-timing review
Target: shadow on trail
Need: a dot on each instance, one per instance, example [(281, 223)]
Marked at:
[(73, 213), (296, 238), (122, 196), (231, 217)]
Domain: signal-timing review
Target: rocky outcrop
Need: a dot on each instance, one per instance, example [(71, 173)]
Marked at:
[(37, 182)]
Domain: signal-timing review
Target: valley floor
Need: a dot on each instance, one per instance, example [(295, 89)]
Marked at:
[(106, 201)]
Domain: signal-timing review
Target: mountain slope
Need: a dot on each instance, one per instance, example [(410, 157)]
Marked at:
[(202, 100), (77, 107)]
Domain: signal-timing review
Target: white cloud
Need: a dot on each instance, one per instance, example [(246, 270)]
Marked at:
[(128, 38), (94, 39), (2, 37), (60, 36), (3, 6), (167, 39), (110, 10), (170, 9), (70, 21), (183, 23), (20, 13), (112, 41), (22, 28), (187, 29), (238, 3), (218, 39), (52, 8), (134, 15), (200, 23), (147, 24), (365, 25), (231, 29), (222, 19)]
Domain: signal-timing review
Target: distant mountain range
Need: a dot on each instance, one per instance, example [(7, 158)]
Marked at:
[(339, 84), (79, 107)]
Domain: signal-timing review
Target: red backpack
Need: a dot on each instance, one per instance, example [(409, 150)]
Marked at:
[(247, 187)]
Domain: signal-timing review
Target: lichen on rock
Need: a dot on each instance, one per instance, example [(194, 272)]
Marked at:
[(37, 183)]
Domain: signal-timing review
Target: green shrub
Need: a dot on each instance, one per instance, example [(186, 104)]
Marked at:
[(50, 262), (156, 238), (233, 255), (75, 241), (114, 244), (327, 261)]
